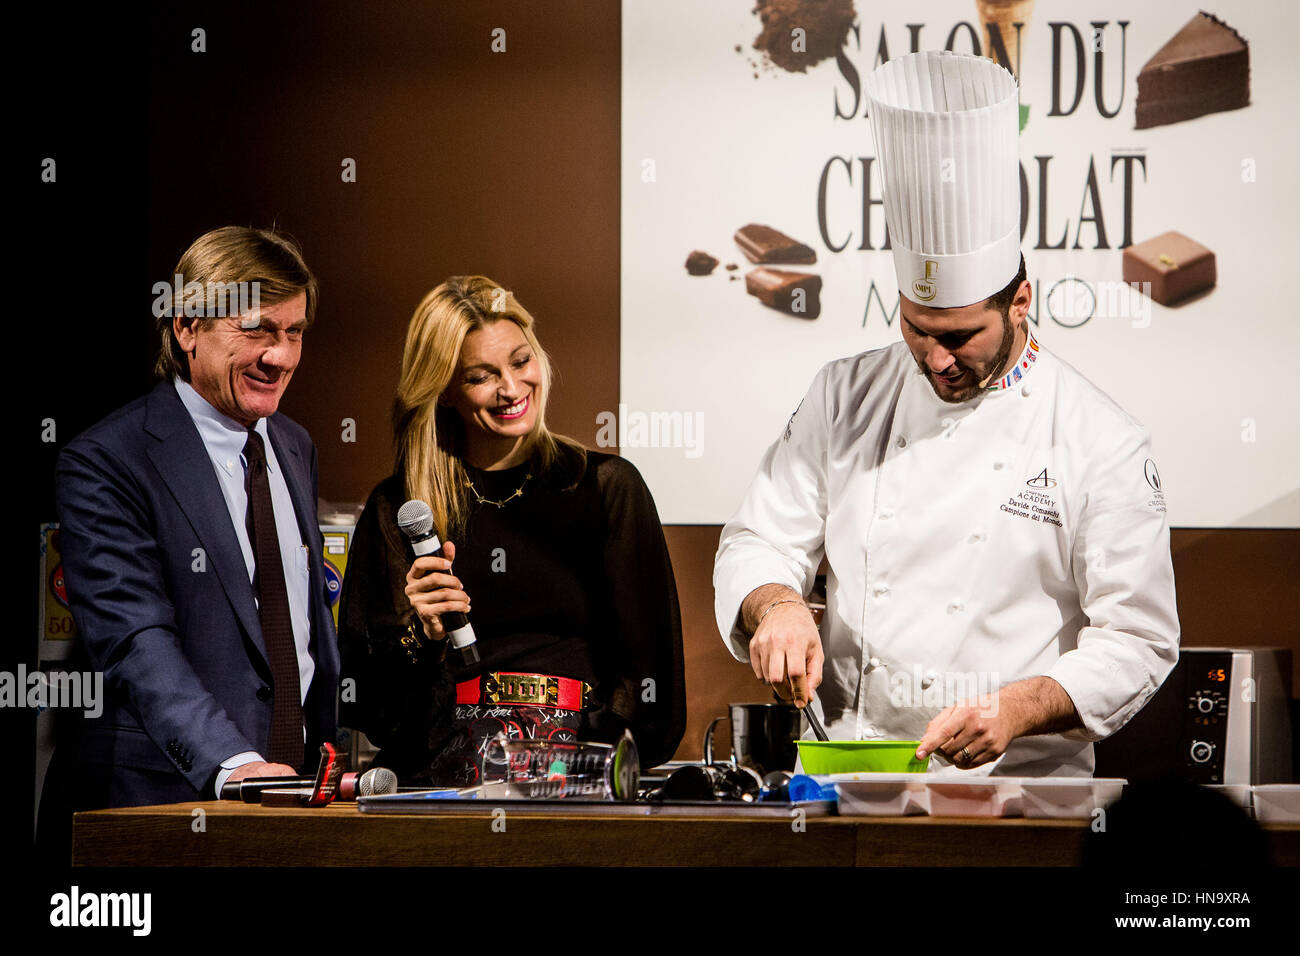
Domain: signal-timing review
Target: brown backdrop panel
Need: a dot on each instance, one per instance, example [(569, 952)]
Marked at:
[(1238, 588), (504, 164), (714, 678)]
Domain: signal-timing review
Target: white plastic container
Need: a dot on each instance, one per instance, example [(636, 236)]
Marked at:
[(1069, 797), (975, 797), (1276, 802), (883, 795)]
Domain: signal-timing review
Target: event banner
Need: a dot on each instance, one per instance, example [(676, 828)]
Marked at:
[(1158, 157)]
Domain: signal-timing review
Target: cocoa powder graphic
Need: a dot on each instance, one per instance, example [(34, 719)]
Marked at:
[(825, 24)]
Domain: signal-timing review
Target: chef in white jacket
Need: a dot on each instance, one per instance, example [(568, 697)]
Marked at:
[(999, 584)]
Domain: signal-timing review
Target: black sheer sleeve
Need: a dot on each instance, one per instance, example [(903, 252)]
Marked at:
[(395, 687), (647, 686)]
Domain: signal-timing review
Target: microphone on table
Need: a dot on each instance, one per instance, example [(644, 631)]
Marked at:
[(372, 783), (375, 781), (415, 518)]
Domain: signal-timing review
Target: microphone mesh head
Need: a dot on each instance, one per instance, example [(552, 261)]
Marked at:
[(377, 780), (415, 518)]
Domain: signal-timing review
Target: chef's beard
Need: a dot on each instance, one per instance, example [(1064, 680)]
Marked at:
[(982, 373)]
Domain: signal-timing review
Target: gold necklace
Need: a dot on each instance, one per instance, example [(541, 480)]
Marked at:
[(504, 501)]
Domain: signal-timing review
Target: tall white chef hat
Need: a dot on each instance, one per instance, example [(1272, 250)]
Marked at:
[(947, 128)]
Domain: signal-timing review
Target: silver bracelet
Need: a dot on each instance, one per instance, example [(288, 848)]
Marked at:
[(768, 609)]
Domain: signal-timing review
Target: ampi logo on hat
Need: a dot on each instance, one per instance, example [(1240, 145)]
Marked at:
[(927, 288)]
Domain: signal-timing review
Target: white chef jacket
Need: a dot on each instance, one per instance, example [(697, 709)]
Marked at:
[(970, 545)]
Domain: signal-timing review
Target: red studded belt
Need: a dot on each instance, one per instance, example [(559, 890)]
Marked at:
[(531, 690)]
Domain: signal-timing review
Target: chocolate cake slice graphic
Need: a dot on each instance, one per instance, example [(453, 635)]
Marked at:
[(1204, 68)]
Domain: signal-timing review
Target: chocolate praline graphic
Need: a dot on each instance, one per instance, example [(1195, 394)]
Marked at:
[(1175, 266)]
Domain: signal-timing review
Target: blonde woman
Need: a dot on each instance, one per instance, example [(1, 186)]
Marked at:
[(558, 554)]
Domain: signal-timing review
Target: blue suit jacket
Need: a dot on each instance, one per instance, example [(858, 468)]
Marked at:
[(163, 604)]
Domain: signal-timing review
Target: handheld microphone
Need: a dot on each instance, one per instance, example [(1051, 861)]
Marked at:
[(372, 783), (415, 518), (250, 789), (375, 781)]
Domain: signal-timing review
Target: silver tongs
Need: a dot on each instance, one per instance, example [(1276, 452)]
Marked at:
[(818, 730)]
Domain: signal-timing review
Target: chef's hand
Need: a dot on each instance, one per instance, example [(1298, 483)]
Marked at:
[(971, 733), (433, 591), (786, 645)]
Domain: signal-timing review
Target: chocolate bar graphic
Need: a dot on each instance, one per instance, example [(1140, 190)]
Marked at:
[(762, 244), (778, 288), (1176, 267)]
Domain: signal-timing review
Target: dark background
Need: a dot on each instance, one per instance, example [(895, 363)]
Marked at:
[(468, 161)]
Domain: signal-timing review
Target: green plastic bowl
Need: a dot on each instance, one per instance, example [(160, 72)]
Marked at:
[(860, 756)]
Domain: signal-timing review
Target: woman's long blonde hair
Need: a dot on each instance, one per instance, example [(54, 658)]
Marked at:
[(430, 436)]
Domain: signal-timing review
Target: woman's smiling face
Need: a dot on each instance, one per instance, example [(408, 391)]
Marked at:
[(495, 389)]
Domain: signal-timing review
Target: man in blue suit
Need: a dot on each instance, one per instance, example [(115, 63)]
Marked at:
[(192, 552)]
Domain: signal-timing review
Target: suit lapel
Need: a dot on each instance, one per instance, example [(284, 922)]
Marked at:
[(183, 462)]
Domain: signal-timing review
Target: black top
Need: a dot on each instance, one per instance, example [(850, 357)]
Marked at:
[(569, 581)]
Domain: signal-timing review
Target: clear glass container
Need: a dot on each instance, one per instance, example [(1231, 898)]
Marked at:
[(551, 770)]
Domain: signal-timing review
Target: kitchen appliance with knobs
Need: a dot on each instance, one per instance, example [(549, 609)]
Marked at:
[(1221, 717)]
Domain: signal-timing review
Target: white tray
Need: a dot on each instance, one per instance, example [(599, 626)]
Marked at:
[(1069, 797), (976, 797), (883, 795), (1277, 802), (902, 794)]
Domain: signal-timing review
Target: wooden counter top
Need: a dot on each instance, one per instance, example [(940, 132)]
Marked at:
[(220, 833)]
